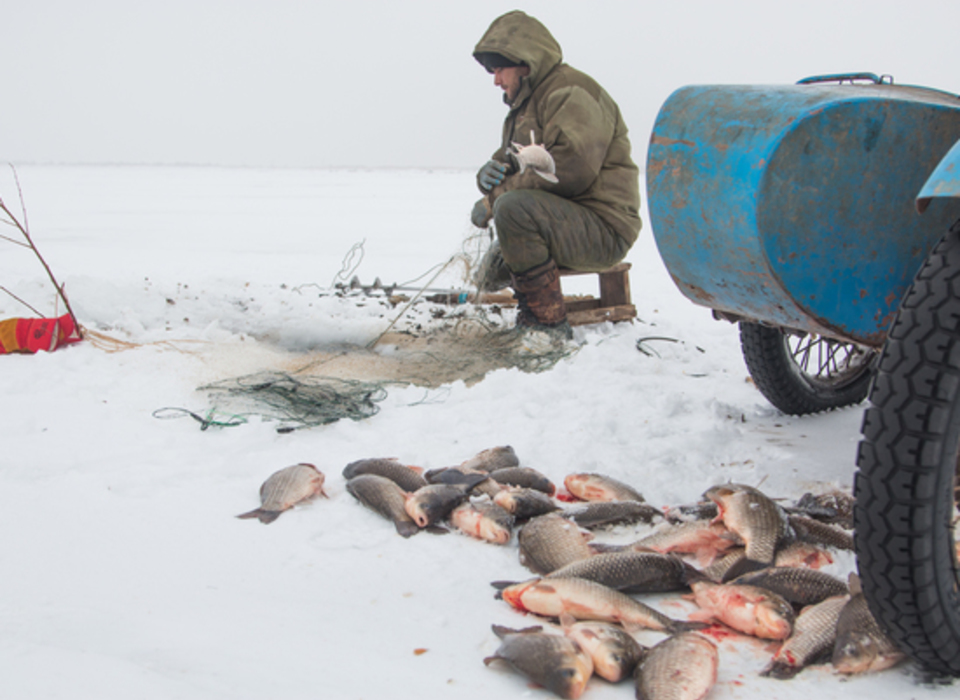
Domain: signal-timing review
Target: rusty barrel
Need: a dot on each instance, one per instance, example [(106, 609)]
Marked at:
[(793, 205)]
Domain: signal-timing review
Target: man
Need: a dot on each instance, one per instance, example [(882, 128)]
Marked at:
[(589, 217)]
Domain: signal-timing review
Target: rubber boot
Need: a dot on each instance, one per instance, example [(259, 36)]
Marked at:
[(540, 299)]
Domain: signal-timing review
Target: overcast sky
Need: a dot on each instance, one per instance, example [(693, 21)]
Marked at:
[(359, 83)]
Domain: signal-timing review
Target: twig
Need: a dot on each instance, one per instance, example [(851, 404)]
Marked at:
[(24, 229), (4, 289)]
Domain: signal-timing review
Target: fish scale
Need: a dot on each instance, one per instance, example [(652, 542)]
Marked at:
[(814, 632), (549, 542), (629, 571), (286, 488)]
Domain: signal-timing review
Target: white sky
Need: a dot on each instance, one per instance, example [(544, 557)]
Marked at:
[(361, 83)]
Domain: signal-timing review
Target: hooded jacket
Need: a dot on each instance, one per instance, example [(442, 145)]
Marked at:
[(574, 118)]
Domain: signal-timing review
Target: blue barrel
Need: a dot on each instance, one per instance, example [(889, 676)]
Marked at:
[(794, 205)]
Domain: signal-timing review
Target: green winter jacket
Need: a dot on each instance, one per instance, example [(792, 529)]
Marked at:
[(574, 118)]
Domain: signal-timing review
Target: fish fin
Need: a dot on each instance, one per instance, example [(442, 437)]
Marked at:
[(418, 470), (500, 585), (406, 528), (691, 574), (677, 626), (567, 620), (266, 516), (744, 566), (502, 631), (780, 670), (437, 530), (490, 659), (250, 515), (633, 627)]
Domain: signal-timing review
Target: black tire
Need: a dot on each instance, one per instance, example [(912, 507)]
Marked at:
[(801, 373), (907, 470)]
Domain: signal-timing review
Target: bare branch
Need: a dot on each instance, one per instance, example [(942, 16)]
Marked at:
[(4, 289)]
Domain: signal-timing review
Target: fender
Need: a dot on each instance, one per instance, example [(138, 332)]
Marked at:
[(944, 181)]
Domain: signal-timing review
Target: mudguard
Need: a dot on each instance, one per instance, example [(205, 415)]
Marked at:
[(944, 181)]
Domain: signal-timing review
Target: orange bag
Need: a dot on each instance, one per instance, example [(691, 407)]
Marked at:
[(34, 334)]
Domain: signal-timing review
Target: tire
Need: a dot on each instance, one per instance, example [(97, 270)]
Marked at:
[(906, 481), (801, 373)]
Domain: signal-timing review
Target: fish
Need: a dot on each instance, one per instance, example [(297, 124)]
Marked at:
[(814, 633), (492, 459), (861, 646), (524, 503), (549, 541), (703, 538), (587, 600), (630, 571), (613, 651), (756, 519), (462, 475), (385, 497), (484, 520), (834, 507), (748, 609), (286, 488), (536, 157), (682, 667), (430, 504), (554, 661), (590, 486), (692, 511), (407, 478), (800, 587), (599, 514), (526, 478), (816, 532), (794, 555)]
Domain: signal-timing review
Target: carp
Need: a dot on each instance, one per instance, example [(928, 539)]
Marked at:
[(614, 652), (587, 600), (590, 486), (801, 587), (682, 667), (484, 520), (549, 541), (599, 514), (554, 661), (747, 609), (432, 503), (492, 459), (524, 503), (815, 532), (813, 634), (630, 571), (407, 478), (861, 645), (525, 477), (385, 497), (702, 538), (461, 476), (286, 488), (756, 519)]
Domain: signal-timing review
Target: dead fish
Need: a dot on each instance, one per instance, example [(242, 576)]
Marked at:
[(800, 587), (834, 507), (614, 652), (536, 157), (461, 475), (694, 511), (756, 519), (556, 662), (599, 514), (682, 667), (802, 554), (385, 497), (590, 486), (407, 478), (492, 459), (702, 538), (861, 645), (526, 478), (484, 520), (524, 503), (630, 572), (549, 541), (815, 532), (285, 489), (813, 634), (748, 609), (587, 600), (430, 504)]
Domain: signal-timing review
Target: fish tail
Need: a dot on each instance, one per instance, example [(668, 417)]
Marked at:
[(780, 670), (407, 528), (744, 566)]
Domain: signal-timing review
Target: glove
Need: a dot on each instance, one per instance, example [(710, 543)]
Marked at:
[(481, 214), (491, 175)]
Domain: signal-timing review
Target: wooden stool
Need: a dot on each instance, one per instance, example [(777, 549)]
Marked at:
[(614, 302)]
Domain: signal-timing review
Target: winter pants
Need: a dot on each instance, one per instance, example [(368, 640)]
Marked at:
[(534, 226)]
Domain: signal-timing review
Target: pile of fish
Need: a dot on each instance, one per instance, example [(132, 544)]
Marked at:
[(750, 564)]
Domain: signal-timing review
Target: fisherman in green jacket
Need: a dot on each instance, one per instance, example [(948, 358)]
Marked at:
[(583, 216)]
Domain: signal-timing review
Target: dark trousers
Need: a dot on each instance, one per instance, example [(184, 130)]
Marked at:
[(534, 226)]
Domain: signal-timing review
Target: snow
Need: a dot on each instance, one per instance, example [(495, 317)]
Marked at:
[(126, 574)]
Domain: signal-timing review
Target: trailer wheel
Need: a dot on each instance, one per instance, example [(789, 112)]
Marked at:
[(801, 373), (906, 484)]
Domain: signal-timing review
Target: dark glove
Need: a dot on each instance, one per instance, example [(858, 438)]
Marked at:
[(481, 214), (491, 175)]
